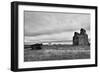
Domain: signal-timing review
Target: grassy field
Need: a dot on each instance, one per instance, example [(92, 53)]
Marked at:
[(57, 52)]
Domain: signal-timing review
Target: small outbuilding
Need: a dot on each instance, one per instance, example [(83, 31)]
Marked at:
[(36, 46)]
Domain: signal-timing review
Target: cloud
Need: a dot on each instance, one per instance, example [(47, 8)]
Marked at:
[(64, 36), (53, 26)]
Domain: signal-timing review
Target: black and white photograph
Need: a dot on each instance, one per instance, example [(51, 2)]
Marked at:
[(56, 36), (52, 36)]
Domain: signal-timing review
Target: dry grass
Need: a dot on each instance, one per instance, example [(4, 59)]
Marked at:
[(57, 52)]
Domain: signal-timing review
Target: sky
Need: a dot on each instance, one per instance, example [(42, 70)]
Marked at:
[(53, 26)]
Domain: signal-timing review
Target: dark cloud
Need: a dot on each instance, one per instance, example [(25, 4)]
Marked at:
[(52, 25), (40, 23)]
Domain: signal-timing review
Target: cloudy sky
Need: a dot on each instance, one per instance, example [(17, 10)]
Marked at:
[(53, 26)]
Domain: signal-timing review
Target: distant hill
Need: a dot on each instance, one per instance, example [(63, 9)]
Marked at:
[(50, 42)]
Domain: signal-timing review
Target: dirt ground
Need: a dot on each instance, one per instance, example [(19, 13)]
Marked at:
[(57, 52)]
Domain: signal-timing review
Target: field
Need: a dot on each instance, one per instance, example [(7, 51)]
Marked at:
[(57, 52)]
